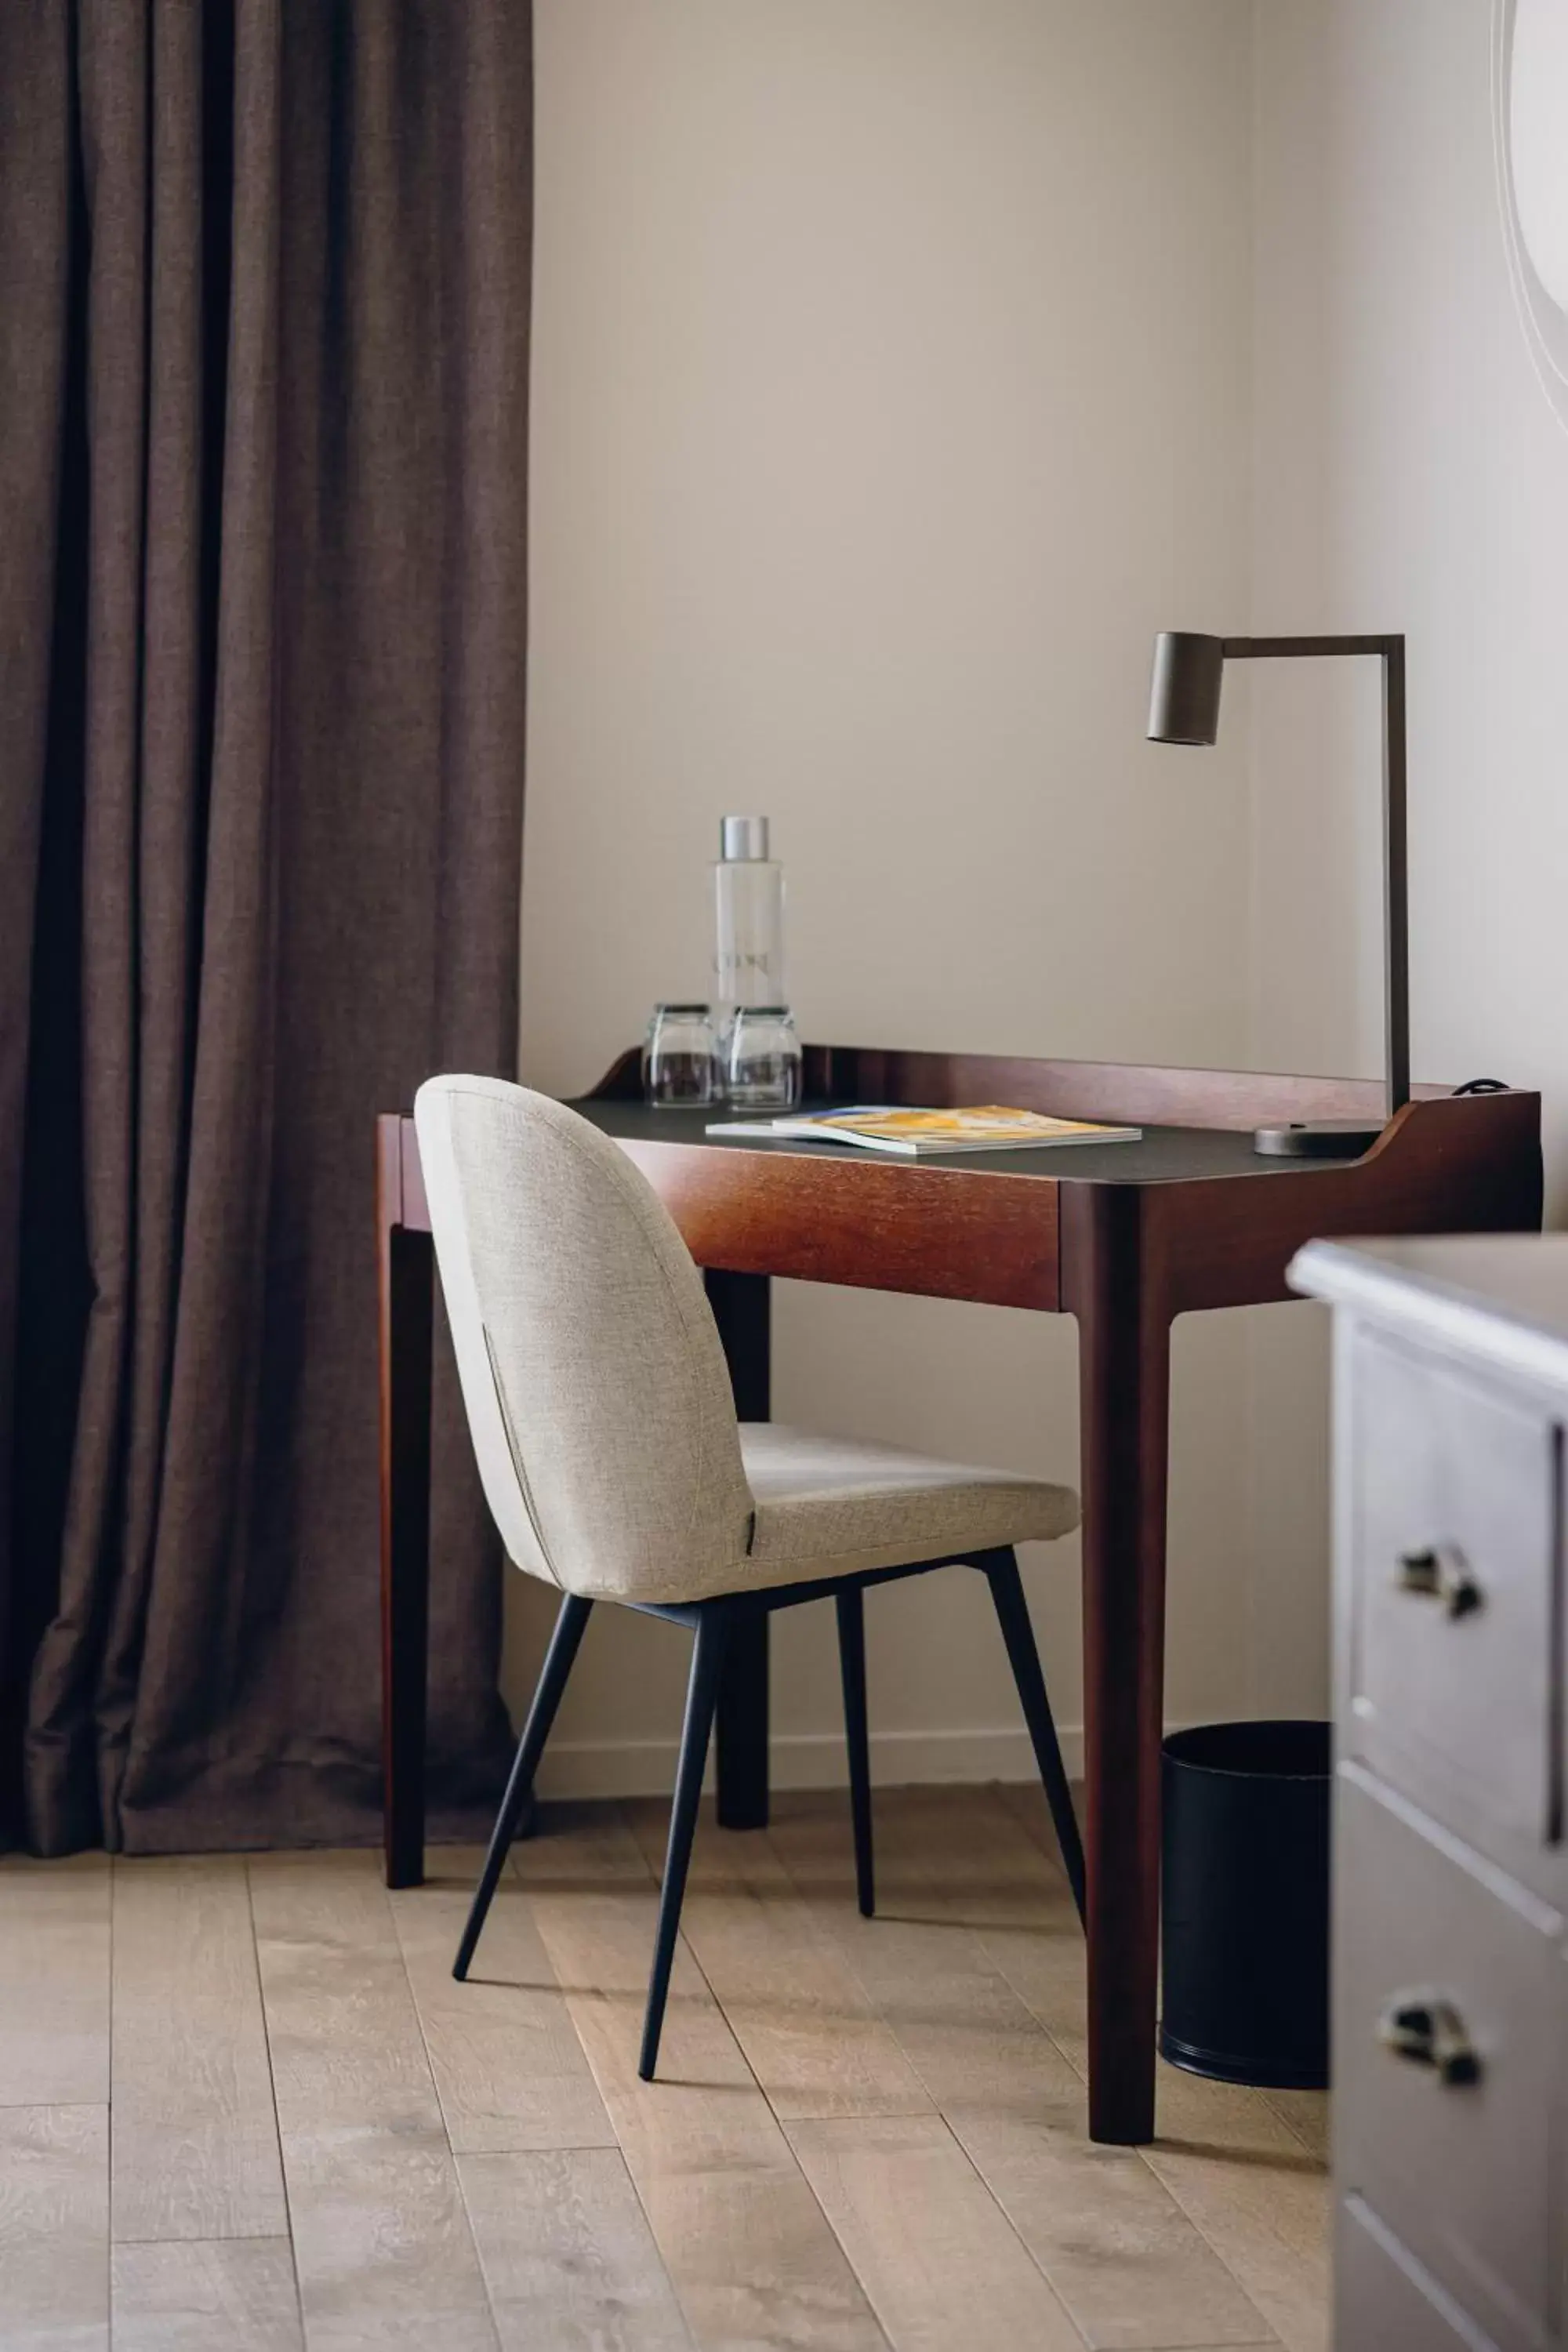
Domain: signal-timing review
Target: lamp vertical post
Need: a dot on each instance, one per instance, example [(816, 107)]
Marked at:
[(1396, 894)]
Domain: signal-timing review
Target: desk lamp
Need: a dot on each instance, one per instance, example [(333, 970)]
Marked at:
[(1184, 708)]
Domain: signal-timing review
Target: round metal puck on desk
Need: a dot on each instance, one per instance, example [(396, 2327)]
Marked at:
[(1316, 1138)]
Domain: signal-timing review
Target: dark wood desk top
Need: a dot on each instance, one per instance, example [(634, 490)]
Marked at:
[(1012, 1228), (1163, 1155)]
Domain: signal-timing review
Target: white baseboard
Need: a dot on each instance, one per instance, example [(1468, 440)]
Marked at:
[(808, 1760)]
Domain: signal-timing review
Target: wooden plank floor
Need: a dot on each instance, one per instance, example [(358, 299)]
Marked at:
[(244, 2108)]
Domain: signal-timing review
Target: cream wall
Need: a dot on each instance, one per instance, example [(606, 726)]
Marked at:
[(891, 369), (1408, 474), (900, 366)]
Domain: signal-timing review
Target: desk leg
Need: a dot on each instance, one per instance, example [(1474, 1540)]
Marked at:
[(1124, 1343), (407, 1296), (742, 1309)]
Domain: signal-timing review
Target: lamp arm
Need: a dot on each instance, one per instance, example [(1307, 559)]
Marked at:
[(1289, 648)]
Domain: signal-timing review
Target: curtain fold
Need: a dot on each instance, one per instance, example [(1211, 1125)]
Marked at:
[(264, 288)]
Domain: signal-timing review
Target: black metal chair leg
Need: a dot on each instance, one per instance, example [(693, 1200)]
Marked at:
[(558, 1661), (1012, 1616), (702, 1698), (852, 1666)]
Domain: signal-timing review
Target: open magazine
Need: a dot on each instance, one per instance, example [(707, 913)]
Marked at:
[(922, 1134)]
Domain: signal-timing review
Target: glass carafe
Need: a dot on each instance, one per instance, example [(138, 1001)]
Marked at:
[(748, 890)]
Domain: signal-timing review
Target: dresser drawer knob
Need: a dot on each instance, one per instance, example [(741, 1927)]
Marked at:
[(1439, 1572), (1425, 2030)]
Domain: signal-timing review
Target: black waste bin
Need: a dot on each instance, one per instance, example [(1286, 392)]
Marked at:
[(1245, 1903)]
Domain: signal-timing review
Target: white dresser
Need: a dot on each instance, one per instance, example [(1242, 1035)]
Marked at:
[(1450, 1991)]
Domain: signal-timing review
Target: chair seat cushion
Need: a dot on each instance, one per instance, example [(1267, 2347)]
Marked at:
[(835, 1507)]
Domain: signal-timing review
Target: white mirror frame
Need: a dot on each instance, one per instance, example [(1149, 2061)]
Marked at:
[(1544, 320)]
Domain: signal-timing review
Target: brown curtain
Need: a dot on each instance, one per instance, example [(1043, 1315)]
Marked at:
[(264, 283)]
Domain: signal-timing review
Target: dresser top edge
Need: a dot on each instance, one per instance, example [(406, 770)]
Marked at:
[(1500, 1296)]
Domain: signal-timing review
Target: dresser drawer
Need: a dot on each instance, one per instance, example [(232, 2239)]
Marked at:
[(1453, 1611), (1461, 2171), (1384, 2301)]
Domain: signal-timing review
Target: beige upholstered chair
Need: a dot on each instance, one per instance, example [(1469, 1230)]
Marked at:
[(600, 1407)]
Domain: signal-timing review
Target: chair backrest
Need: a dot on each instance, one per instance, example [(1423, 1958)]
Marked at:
[(598, 1394)]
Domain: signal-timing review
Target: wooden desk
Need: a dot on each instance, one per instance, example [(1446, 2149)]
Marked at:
[(1125, 1238)]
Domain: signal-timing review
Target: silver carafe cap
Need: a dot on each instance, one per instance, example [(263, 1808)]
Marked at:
[(742, 840)]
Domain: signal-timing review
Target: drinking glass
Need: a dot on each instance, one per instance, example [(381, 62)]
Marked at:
[(761, 1059), (679, 1059)]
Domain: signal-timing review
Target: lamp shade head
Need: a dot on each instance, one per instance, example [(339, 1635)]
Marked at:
[(1183, 703)]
